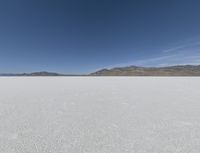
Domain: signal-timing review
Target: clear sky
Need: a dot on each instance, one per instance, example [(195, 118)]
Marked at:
[(80, 36)]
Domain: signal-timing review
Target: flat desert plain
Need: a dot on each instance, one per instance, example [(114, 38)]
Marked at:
[(99, 115)]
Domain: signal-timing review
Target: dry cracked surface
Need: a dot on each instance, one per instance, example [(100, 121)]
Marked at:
[(99, 115)]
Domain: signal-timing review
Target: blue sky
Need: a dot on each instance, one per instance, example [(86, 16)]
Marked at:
[(81, 36)]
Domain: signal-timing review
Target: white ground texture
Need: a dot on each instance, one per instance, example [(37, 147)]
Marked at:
[(99, 115)]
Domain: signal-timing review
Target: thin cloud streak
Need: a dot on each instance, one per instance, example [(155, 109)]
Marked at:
[(142, 62), (161, 61), (187, 54), (182, 47)]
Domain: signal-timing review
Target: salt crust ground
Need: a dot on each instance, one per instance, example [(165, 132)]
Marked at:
[(99, 115)]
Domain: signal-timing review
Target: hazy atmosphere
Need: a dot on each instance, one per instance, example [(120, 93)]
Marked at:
[(76, 36)]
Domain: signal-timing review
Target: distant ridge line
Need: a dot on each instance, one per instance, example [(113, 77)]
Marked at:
[(42, 73), (177, 70)]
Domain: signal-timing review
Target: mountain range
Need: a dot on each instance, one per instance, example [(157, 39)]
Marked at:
[(43, 73), (179, 70)]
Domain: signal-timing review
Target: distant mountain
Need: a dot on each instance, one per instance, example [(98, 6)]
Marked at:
[(43, 73), (179, 70)]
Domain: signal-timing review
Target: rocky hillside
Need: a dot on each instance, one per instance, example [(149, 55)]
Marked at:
[(181, 70)]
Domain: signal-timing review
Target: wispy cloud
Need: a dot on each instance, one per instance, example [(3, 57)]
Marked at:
[(186, 54), (144, 62), (182, 47), (175, 59), (154, 59), (165, 60)]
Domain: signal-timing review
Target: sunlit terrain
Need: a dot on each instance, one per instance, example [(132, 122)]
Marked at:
[(99, 114)]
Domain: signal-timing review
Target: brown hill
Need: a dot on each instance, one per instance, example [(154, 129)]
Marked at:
[(180, 70)]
